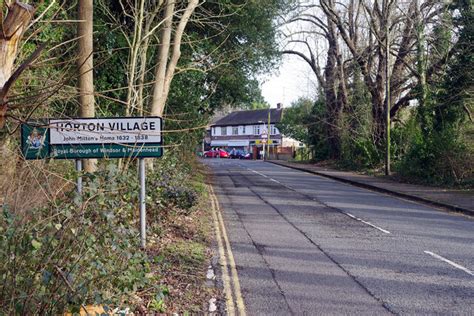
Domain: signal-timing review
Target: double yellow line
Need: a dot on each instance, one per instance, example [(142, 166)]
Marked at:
[(234, 301)]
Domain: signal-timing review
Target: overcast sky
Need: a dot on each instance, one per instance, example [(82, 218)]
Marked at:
[(293, 80)]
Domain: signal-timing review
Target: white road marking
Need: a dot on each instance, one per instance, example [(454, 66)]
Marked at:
[(368, 223), (348, 214), (454, 264), (255, 171)]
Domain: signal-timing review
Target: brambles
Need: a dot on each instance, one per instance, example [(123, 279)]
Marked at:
[(64, 253)]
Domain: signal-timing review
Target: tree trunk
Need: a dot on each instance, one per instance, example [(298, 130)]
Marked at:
[(331, 76), (378, 118), (169, 53), (86, 67), (13, 26)]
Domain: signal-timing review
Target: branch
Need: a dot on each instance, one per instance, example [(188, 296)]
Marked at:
[(403, 102), (466, 109), (6, 87), (310, 61)]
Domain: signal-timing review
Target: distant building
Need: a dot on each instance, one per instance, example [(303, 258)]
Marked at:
[(246, 129)]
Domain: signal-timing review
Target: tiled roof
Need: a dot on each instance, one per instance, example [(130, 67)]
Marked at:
[(250, 117)]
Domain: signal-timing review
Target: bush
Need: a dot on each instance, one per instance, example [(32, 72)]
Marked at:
[(443, 159), (171, 185), (360, 153), (65, 255), (58, 252), (183, 197)]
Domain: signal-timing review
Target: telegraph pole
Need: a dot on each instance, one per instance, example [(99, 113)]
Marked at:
[(387, 97)]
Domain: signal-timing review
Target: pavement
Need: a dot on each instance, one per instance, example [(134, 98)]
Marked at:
[(451, 199)]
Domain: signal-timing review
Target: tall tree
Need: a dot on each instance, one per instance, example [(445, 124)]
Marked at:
[(86, 66), (456, 99), (169, 51), (314, 31), (296, 120), (153, 32), (397, 20)]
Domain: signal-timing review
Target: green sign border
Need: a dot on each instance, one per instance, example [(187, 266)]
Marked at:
[(35, 144), (106, 151), (35, 132)]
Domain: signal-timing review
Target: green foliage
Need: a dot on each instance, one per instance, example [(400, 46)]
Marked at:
[(304, 121), (258, 105), (358, 150), (191, 254), (456, 97), (317, 131), (441, 159), (54, 259), (42, 88), (73, 252), (242, 46), (171, 186), (295, 120), (441, 150), (359, 153)]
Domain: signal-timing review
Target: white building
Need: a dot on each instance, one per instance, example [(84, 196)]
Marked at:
[(247, 129)]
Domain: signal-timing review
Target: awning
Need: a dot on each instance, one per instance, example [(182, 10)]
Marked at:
[(229, 143), (238, 143), (219, 143)]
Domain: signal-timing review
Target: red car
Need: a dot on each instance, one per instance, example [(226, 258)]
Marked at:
[(216, 153)]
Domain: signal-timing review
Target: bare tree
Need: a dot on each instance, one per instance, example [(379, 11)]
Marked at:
[(163, 22), (169, 51), (397, 20), (307, 44)]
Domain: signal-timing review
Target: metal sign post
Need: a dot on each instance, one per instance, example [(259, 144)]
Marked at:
[(142, 203), (269, 133), (79, 177), (264, 138)]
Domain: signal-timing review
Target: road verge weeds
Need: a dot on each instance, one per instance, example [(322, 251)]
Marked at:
[(60, 253)]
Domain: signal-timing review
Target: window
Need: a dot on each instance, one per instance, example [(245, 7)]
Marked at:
[(235, 130), (256, 129), (243, 129), (213, 131), (224, 130), (273, 130)]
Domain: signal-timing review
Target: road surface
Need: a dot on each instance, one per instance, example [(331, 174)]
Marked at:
[(307, 245)]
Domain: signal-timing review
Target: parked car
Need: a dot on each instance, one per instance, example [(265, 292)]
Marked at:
[(246, 155), (240, 154), (216, 153), (236, 153)]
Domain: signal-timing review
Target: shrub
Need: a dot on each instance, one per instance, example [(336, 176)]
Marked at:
[(183, 197), (61, 252), (171, 185), (359, 153), (60, 257), (443, 158)]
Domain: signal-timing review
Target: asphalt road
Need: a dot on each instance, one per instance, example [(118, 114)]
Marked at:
[(307, 245)]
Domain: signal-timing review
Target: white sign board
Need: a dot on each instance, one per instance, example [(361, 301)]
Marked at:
[(105, 131)]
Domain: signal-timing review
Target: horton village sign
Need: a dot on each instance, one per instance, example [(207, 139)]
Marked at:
[(133, 137), (93, 138)]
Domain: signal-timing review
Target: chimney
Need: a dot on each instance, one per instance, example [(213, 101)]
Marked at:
[(279, 105)]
